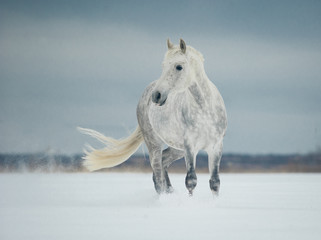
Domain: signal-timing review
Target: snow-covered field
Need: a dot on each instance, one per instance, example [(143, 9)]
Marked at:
[(125, 206)]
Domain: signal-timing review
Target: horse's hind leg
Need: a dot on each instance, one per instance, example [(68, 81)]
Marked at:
[(158, 171), (214, 159), (154, 145), (170, 155)]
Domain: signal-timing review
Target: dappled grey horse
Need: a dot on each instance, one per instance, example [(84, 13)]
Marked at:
[(182, 110)]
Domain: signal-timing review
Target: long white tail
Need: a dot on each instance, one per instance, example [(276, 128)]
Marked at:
[(115, 152)]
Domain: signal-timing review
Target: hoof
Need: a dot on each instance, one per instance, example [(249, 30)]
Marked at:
[(190, 182), (169, 190), (215, 194), (215, 186), (159, 185)]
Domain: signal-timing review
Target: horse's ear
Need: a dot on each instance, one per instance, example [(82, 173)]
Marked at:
[(182, 45), (169, 44)]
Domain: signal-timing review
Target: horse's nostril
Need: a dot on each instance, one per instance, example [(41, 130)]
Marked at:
[(156, 97)]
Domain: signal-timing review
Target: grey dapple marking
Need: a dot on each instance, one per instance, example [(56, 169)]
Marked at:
[(182, 109)]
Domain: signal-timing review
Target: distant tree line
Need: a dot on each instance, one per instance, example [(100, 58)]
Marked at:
[(42, 162)]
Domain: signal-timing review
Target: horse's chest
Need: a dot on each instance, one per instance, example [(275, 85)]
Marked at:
[(178, 122), (199, 123)]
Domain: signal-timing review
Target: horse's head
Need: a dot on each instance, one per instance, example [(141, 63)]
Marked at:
[(179, 70)]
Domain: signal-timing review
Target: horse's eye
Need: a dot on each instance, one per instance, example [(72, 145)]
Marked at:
[(179, 67)]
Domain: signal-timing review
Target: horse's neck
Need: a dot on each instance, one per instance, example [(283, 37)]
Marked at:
[(201, 86)]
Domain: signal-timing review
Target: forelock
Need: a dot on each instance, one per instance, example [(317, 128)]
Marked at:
[(190, 51)]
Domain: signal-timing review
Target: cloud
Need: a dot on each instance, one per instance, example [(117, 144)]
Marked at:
[(63, 66)]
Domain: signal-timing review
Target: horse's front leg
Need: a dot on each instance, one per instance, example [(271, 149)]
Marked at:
[(214, 159), (190, 160)]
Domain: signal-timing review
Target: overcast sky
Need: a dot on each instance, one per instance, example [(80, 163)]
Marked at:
[(73, 63)]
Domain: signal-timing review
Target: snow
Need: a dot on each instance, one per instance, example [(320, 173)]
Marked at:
[(125, 206)]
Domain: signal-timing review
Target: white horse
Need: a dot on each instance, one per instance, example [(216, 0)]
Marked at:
[(182, 109)]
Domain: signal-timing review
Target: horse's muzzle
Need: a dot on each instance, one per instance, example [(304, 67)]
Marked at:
[(159, 98)]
